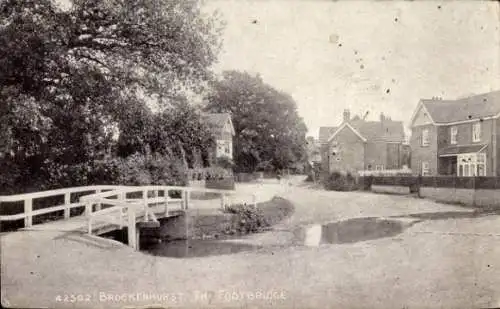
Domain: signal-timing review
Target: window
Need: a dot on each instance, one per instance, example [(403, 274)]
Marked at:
[(453, 135), (476, 132), (425, 137), (481, 164), (466, 170), (221, 146), (379, 167), (471, 164), (425, 168), (227, 147)]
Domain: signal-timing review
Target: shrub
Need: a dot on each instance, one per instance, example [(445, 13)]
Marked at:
[(139, 169), (247, 219), (224, 162), (134, 170), (337, 181)]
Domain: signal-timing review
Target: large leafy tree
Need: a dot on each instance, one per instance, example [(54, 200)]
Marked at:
[(270, 135), (69, 74)]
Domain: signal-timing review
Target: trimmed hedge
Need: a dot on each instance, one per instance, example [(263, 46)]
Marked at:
[(226, 183)]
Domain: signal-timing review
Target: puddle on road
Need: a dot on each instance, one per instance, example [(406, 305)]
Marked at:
[(348, 231), (197, 248), (340, 232)]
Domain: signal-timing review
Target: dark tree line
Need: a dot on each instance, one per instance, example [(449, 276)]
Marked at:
[(72, 78), (69, 76)]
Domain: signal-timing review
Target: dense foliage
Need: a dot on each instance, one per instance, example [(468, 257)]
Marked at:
[(270, 135), (73, 77), (249, 219), (337, 181)]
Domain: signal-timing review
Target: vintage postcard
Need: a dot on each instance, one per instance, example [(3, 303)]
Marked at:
[(249, 154)]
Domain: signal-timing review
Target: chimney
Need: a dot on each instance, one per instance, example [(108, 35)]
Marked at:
[(382, 117), (347, 115)]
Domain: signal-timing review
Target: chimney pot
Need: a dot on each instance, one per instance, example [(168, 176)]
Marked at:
[(347, 115)]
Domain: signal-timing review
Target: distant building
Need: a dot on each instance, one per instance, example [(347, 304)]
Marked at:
[(222, 129), (357, 145), (313, 150), (457, 137)]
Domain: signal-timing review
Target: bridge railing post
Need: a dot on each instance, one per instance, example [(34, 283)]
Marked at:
[(98, 205), (222, 201), (186, 199), (89, 225), (28, 208), (131, 229), (67, 201), (88, 208), (145, 204), (165, 196)]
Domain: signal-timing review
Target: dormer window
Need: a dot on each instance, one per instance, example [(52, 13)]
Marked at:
[(476, 132), (453, 135)]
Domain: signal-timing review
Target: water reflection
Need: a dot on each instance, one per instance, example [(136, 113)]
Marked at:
[(196, 248), (348, 231)]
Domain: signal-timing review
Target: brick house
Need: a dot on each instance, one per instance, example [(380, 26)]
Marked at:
[(358, 145), (457, 137), (222, 129)]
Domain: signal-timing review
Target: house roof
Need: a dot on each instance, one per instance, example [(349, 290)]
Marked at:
[(454, 150), (473, 107), (325, 133), (386, 130), (348, 125), (217, 121)]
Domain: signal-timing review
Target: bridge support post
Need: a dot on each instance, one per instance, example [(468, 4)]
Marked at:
[(131, 228), (28, 208), (67, 201)]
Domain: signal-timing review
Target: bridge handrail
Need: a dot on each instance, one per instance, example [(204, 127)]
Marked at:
[(99, 198), (27, 199), (55, 192), (42, 211), (130, 189)]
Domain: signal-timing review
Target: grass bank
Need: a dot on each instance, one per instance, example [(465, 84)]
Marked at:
[(242, 219)]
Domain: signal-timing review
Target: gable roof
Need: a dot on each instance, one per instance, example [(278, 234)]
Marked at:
[(344, 125), (325, 133), (386, 130), (474, 107), (217, 121)]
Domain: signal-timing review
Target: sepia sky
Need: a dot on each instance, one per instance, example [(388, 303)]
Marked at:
[(376, 56)]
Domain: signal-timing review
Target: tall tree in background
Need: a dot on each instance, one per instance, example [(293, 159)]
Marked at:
[(270, 135), (68, 75)]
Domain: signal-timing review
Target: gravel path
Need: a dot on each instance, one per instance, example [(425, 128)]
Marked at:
[(440, 262)]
